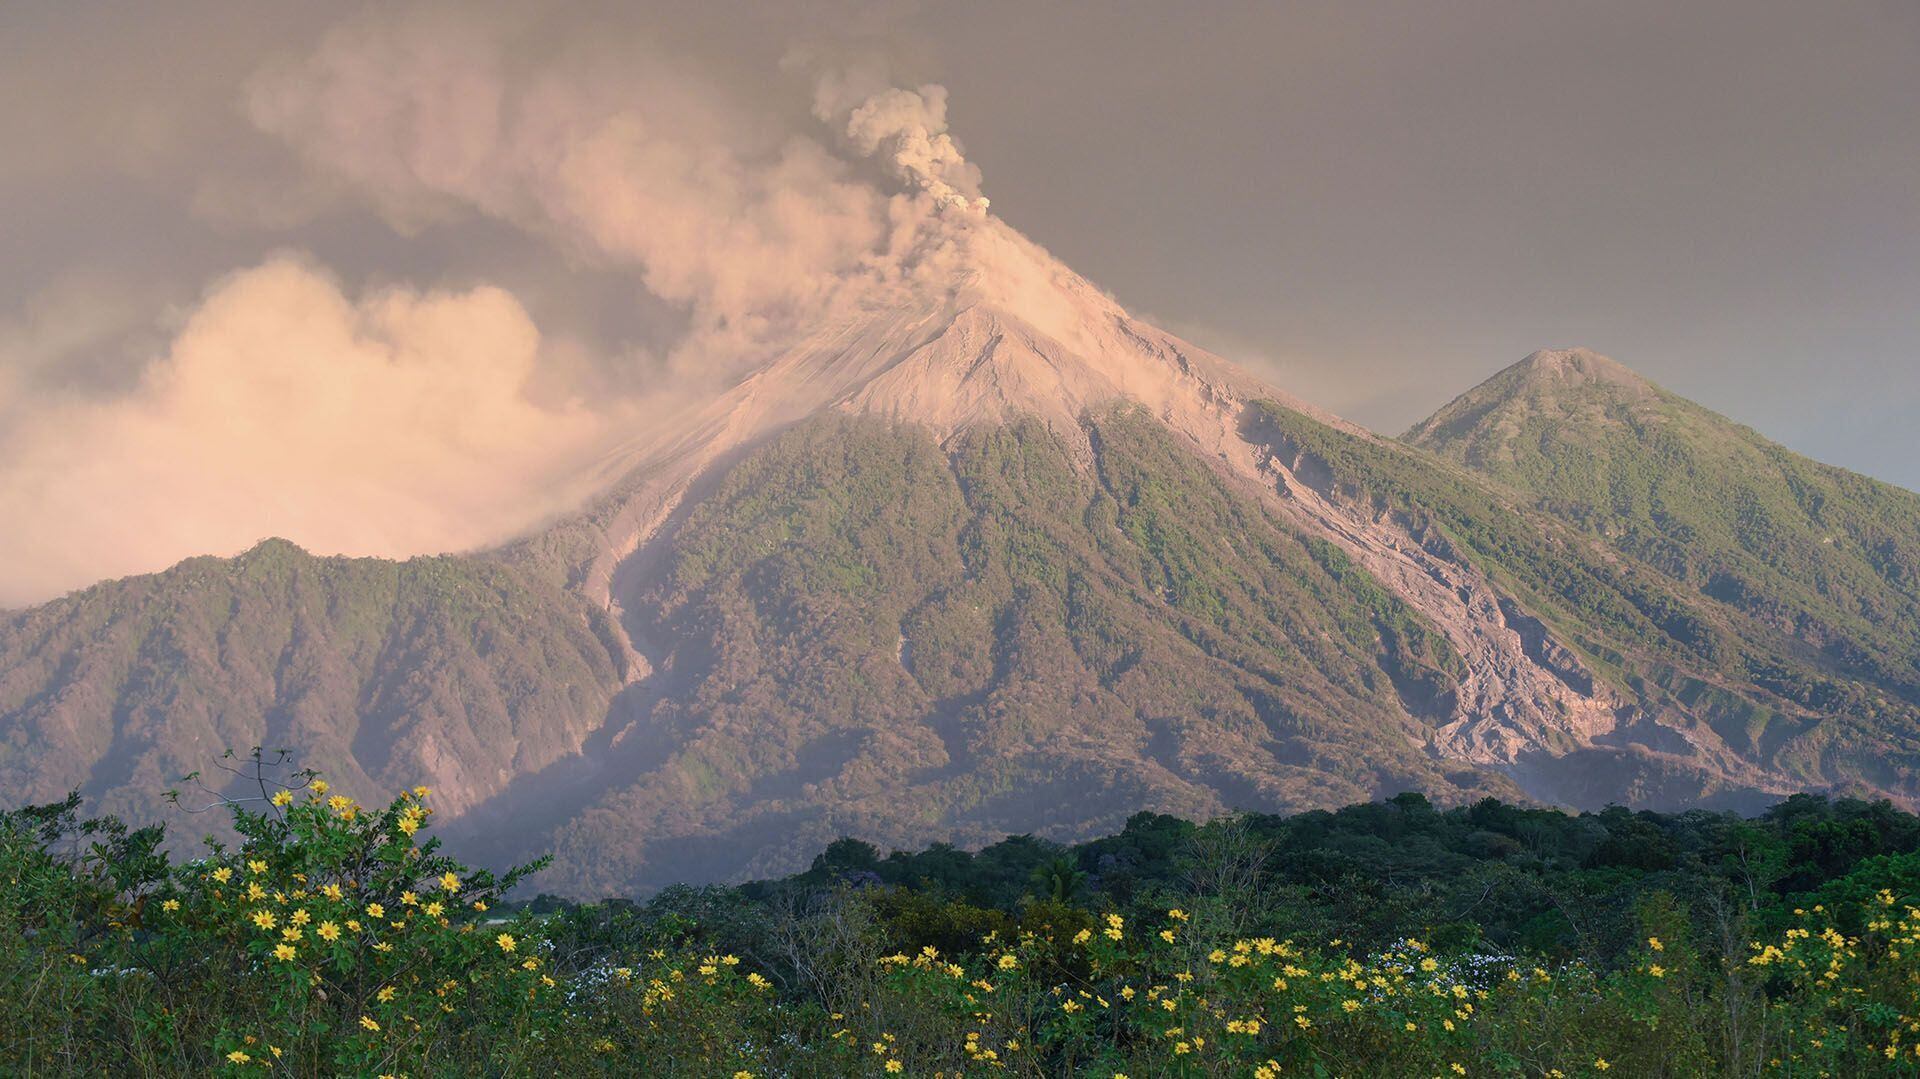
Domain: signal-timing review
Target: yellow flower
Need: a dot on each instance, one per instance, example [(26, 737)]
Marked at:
[(291, 932), (238, 1057), (449, 882), (353, 925), (1177, 914), (375, 910), (283, 951), (264, 919), (319, 786), (1657, 971), (434, 909), (422, 792), (384, 995), (408, 825), (1654, 943), (1429, 965), (281, 798), (170, 905), (1600, 1064), (1008, 962), (223, 874), (505, 941), (480, 905), (894, 1067), (328, 931), (408, 899), (368, 1022), (331, 891)]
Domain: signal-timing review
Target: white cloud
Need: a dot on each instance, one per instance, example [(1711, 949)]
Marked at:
[(393, 424)]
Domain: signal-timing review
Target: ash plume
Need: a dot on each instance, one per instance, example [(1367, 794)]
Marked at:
[(393, 419)]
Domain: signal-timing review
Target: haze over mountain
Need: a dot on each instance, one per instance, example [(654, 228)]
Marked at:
[(888, 524), (982, 554)]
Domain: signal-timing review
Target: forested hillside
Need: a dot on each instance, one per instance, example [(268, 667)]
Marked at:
[(1702, 684), (1824, 556), (1383, 939), (458, 668)]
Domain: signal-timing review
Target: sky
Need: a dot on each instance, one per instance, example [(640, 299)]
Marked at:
[(384, 279)]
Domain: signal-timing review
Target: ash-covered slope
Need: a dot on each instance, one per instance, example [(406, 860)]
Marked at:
[(980, 553), (982, 328)]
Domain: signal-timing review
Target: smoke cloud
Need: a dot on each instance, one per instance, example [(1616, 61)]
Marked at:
[(907, 131), (630, 157), (391, 424), (404, 420)]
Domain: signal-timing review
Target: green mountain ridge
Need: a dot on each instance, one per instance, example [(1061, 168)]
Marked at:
[(1827, 558), (1741, 693), (380, 671), (1567, 585), (867, 633)]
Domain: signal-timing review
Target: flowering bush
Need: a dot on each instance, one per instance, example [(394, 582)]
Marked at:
[(335, 938), (331, 938)]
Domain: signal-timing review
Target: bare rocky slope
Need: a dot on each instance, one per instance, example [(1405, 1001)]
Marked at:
[(984, 554)]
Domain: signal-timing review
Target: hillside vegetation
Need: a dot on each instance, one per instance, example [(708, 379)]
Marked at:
[(1572, 587), (1385, 939), (1825, 556), (861, 631), (454, 667), (1746, 695)]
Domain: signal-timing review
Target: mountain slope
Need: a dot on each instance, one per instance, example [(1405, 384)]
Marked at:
[(1823, 556), (453, 669), (982, 553), (1698, 688), (863, 632)]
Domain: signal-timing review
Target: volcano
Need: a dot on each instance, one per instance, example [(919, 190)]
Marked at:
[(981, 553)]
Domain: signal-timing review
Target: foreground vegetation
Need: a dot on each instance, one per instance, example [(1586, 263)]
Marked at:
[(1385, 939)]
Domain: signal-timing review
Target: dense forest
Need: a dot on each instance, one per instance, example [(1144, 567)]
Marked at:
[(1391, 938)]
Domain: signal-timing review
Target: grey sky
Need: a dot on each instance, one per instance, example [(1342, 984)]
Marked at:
[(1393, 201), (1377, 205)]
